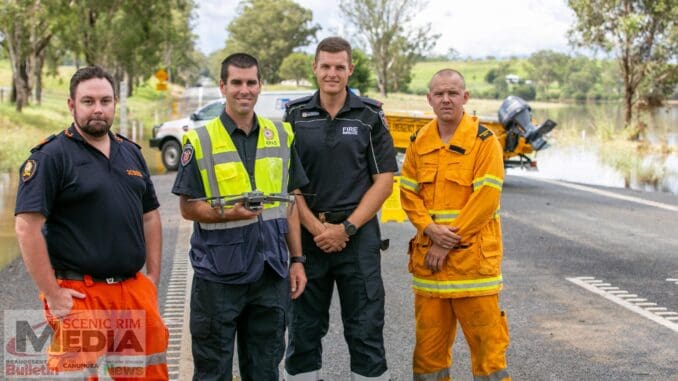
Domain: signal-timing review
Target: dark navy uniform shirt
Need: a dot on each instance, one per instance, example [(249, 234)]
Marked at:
[(240, 255), (340, 155), (93, 205), (189, 182)]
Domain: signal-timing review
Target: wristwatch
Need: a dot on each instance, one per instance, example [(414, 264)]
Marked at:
[(298, 259), (349, 228)]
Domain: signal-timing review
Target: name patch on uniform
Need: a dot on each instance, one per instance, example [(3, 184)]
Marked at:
[(349, 131), (309, 114), (187, 155), (29, 170), (134, 172)]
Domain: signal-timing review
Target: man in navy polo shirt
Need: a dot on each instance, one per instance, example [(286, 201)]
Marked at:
[(87, 221)]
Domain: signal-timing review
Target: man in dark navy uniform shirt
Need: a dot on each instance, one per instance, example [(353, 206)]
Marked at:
[(87, 221), (348, 156)]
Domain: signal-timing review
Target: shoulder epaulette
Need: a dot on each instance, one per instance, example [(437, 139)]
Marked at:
[(371, 102), (43, 142), (121, 138), (413, 137), (298, 101), (483, 132)]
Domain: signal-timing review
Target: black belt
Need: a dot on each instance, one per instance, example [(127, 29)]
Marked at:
[(335, 217), (72, 275)]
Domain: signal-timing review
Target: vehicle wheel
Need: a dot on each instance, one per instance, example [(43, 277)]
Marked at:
[(171, 152)]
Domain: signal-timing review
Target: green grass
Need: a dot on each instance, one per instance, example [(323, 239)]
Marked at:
[(23, 130), (473, 71)]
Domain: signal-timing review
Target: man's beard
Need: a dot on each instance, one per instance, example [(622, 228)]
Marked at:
[(96, 130)]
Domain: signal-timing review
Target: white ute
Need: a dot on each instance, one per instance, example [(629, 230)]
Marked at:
[(167, 136)]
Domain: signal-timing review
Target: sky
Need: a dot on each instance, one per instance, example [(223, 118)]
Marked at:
[(474, 28)]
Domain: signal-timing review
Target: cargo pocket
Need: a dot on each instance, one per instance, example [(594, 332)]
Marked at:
[(228, 175), (227, 253), (460, 176), (200, 326), (426, 177), (419, 246), (491, 255)]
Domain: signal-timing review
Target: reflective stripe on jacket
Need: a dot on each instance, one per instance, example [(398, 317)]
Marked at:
[(458, 184), (234, 252)]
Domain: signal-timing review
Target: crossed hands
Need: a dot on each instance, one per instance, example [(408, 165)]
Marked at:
[(332, 238), (444, 238)]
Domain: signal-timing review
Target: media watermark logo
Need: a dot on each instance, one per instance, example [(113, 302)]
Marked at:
[(81, 344)]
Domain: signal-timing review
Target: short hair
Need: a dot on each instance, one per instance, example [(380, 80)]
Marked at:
[(447, 72), (334, 45), (239, 60), (86, 73)]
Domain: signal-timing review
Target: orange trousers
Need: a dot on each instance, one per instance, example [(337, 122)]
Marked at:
[(115, 332), (484, 326)]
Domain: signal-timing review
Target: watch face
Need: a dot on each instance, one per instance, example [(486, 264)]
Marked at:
[(350, 228)]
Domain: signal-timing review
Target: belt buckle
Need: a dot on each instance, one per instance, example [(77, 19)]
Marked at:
[(322, 217), (111, 280)]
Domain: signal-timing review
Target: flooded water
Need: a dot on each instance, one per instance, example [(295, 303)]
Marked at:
[(587, 148), (581, 151)]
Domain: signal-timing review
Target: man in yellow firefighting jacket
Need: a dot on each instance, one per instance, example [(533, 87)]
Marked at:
[(450, 189)]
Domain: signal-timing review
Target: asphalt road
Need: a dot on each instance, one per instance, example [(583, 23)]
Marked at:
[(559, 329)]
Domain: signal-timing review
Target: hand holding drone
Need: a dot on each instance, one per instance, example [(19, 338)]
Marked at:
[(254, 200)]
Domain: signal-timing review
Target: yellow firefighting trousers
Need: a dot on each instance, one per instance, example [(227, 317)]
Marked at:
[(484, 326)]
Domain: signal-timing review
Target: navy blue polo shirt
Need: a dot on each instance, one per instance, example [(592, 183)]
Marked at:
[(93, 205), (340, 155), (189, 182), (240, 255)]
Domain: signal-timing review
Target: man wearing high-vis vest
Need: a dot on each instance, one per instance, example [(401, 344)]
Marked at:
[(240, 256), (450, 189)]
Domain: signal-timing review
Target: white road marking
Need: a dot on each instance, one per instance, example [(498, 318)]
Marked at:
[(587, 283), (609, 194)]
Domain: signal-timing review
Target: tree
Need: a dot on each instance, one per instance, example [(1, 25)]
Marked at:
[(270, 31), (640, 32), (296, 66), (546, 67), (384, 26), (581, 77), (361, 78), (26, 27)]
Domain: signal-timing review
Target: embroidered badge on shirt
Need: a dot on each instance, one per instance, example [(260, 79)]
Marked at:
[(187, 155), (134, 172), (268, 134), (349, 130), (309, 114), (29, 170)]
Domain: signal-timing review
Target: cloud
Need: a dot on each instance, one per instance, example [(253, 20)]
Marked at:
[(478, 28)]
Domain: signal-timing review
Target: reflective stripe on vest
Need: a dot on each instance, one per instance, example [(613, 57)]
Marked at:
[(224, 174), (457, 286)]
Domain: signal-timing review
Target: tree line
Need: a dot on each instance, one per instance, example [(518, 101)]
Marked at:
[(133, 37), (129, 38)]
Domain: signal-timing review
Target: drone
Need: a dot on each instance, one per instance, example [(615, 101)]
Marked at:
[(254, 200)]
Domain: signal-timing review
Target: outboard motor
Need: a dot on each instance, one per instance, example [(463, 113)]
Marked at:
[(516, 116)]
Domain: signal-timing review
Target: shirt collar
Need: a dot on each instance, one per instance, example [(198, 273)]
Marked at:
[(462, 139), (352, 101), (230, 125), (73, 133)]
